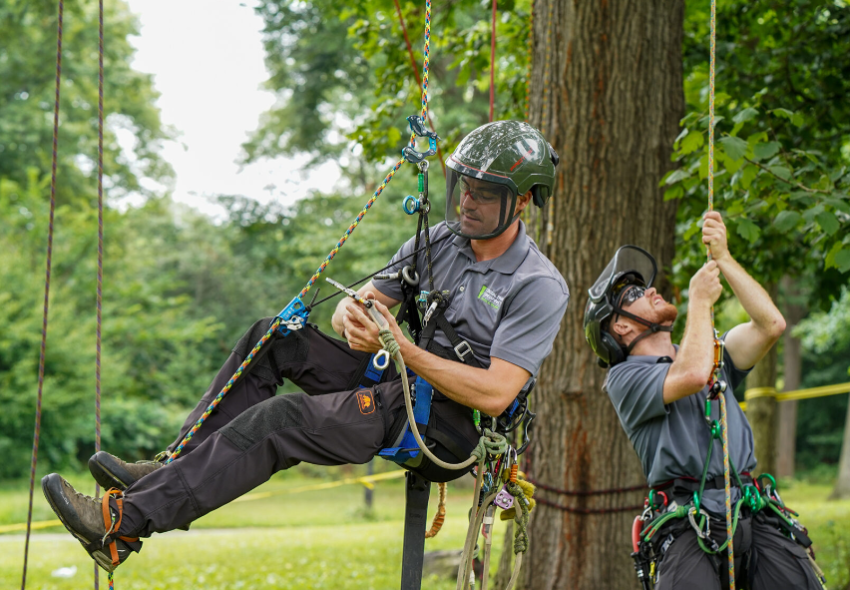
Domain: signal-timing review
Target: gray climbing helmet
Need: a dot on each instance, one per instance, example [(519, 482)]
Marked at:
[(490, 168)]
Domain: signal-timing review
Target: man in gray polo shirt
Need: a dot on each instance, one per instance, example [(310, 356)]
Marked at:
[(494, 307), (659, 391)]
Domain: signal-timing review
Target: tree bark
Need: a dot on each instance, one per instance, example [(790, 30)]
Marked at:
[(842, 486), (786, 439), (761, 411), (612, 74)]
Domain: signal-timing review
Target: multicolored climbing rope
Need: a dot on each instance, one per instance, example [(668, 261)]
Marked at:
[(224, 390), (727, 484), (278, 321)]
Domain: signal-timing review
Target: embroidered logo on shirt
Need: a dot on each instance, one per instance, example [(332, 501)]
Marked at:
[(365, 401), (488, 296)]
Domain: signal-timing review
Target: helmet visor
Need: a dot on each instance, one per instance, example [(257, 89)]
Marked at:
[(627, 262), (478, 209)]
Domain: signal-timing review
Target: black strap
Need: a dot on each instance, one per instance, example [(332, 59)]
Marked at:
[(686, 487), (446, 442)]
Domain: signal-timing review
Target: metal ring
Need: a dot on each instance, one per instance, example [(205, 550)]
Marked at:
[(410, 280), (376, 360), (423, 166)]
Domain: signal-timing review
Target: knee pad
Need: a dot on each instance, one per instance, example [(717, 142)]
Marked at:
[(259, 421)]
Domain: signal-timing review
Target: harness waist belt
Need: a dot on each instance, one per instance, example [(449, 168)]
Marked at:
[(687, 485)]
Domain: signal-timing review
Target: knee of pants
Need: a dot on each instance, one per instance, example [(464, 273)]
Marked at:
[(283, 350), (261, 420)]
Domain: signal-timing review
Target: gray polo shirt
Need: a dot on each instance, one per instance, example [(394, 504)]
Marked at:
[(509, 307), (672, 440)]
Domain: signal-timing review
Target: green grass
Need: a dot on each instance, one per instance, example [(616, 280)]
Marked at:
[(315, 539)]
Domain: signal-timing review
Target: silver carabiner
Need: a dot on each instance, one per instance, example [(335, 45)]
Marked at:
[(381, 364)]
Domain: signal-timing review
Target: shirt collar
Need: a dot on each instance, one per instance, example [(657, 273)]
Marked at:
[(507, 263)]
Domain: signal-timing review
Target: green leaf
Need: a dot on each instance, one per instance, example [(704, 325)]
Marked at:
[(735, 147), (676, 176), (692, 143), (748, 230), (780, 171), (674, 192), (842, 260), (681, 135), (784, 113), (745, 115), (763, 151), (787, 220), (691, 231), (749, 174), (828, 222), (829, 259)]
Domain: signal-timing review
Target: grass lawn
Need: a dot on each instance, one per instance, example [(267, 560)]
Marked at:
[(313, 539)]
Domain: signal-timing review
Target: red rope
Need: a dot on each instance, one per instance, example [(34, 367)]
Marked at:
[(493, 62), (418, 79), (634, 508), (549, 488), (99, 254), (46, 290)]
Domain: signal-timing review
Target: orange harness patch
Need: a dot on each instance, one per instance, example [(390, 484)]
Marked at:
[(365, 401)]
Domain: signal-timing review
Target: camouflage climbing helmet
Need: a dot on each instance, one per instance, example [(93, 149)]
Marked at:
[(489, 169)]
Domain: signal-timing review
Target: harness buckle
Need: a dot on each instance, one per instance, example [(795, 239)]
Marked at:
[(462, 350)]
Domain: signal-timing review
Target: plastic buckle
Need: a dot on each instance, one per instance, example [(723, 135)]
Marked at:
[(463, 349), (417, 127)]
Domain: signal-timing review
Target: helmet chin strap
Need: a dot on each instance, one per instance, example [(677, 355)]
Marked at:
[(653, 327)]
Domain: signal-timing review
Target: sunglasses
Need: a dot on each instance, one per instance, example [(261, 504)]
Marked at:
[(631, 295)]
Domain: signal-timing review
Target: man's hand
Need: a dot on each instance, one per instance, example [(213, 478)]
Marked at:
[(361, 331), (714, 236), (705, 286)]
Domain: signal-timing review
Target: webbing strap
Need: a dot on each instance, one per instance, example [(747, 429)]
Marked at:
[(407, 448)]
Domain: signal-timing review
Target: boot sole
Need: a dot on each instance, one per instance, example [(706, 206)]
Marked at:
[(107, 477), (51, 486)]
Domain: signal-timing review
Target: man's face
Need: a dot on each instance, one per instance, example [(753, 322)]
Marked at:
[(480, 205), (646, 304)]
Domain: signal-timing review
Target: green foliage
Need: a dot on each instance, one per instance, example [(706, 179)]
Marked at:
[(28, 70), (344, 76), (781, 128)]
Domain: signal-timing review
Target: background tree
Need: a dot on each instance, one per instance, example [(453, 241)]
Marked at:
[(612, 109)]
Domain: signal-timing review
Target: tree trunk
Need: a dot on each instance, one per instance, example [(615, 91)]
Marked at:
[(842, 486), (612, 74), (786, 439), (761, 410)]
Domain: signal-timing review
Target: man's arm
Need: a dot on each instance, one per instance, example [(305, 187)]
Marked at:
[(490, 390), (694, 362), (747, 343)]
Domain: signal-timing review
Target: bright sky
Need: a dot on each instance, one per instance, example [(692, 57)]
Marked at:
[(207, 62)]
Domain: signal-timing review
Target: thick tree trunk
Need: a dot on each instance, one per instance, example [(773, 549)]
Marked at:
[(786, 437), (842, 486), (613, 79), (761, 410)]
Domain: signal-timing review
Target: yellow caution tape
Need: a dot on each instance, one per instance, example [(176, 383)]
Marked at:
[(367, 481), (809, 393)]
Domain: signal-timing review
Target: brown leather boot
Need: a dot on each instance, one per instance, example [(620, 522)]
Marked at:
[(93, 522), (111, 472)]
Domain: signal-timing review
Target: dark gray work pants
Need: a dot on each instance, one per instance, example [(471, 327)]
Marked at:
[(254, 433), (765, 559)]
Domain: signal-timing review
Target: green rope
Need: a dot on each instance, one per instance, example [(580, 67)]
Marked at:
[(490, 443), (389, 341), (521, 518)]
